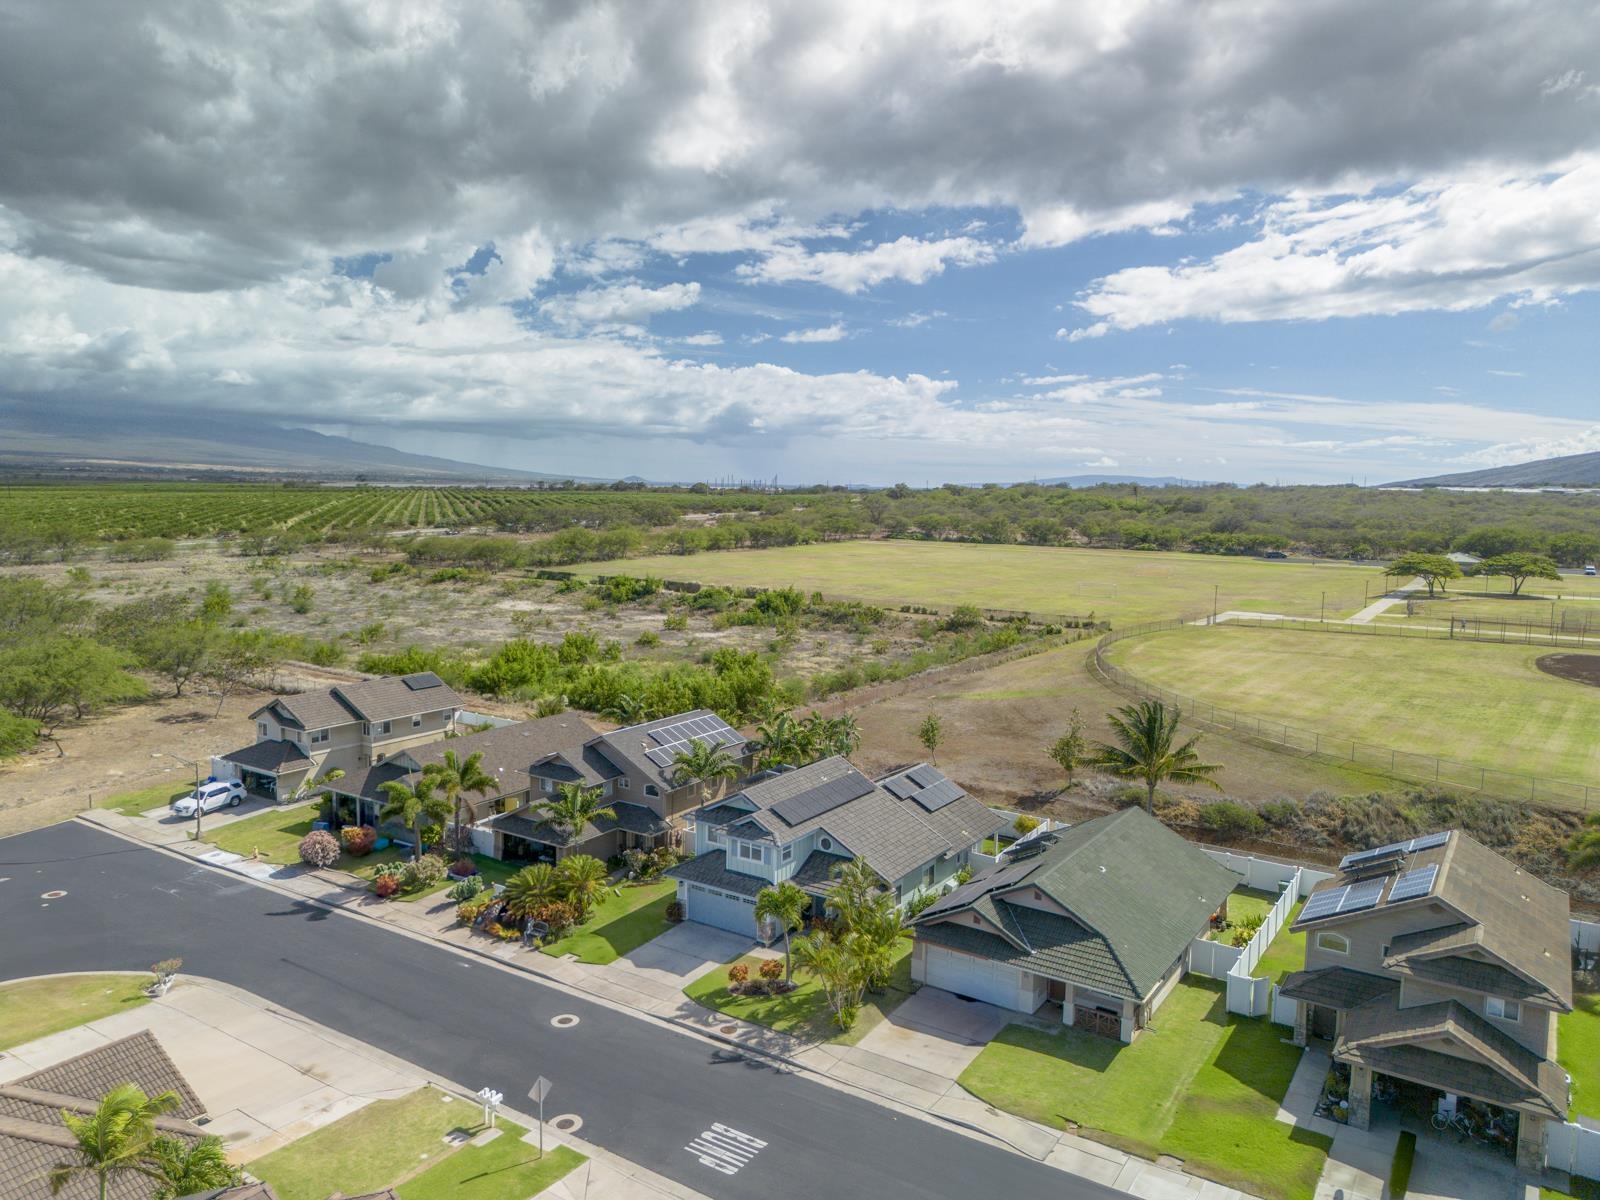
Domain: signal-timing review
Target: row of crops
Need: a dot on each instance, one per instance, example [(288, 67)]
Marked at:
[(117, 512)]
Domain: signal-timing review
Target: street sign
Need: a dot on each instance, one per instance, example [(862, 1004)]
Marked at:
[(540, 1089)]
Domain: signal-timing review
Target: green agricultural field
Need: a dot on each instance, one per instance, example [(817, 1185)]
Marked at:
[(1482, 704), (1125, 586)]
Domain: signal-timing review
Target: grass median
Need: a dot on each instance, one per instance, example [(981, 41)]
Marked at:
[(36, 1008)]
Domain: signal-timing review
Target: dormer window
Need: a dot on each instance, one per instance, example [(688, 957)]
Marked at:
[(1503, 1010), (622, 782), (261, 729)]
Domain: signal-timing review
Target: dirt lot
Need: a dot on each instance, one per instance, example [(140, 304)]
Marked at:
[(1580, 668)]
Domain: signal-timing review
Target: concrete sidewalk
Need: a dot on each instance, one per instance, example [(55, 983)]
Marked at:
[(651, 985), (267, 1077)]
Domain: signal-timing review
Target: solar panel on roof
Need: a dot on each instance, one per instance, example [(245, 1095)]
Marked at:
[(1323, 904), (924, 776), (1362, 857), (1414, 883), (1362, 895), (823, 798), (900, 787), (940, 794), (421, 680), (1429, 841)]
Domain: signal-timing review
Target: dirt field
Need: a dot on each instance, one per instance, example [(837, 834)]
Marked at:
[(1580, 668)]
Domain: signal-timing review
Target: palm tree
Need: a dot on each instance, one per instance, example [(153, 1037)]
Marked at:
[(184, 1170), (626, 710), (854, 885), (455, 777), (831, 962), (783, 741), (875, 928), (1583, 848), (1144, 751), (574, 809), (834, 735), (413, 807), (786, 904), (583, 878), (705, 763), (112, 1141), (531, 888)]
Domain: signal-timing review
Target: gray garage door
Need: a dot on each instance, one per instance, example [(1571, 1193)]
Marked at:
[(724, 910)]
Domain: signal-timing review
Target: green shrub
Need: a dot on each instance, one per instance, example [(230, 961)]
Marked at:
[(676, 622), (1025, 824), (649, 638), (1227, 818), (1405, 1151), (919, 903), (465, 890), (423, 872), (469, 910)]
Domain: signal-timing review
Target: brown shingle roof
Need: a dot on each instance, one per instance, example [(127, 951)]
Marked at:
[(268, 756), (137, 1058), (1337, 987)]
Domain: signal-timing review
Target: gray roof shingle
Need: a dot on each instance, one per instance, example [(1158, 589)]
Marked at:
[(630, 818), (629, 747), (711, 870), (370, 700), (268, 756)]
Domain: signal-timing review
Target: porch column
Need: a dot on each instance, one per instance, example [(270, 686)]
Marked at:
[(1532, 1136), (1360, 1097), (1302, 1018)]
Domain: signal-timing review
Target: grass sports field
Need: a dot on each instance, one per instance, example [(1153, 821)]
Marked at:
[(1429, 696), (1125, 586)]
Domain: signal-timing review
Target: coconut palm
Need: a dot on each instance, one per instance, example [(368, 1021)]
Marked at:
[(786, 904), (531, 888), (707, 764), (1144, 750), (413, 807), (454, 777), (783, 741), (574, 809), (583, 879), (186, 1170), (114, 1140), (834, 735), (854, 885)]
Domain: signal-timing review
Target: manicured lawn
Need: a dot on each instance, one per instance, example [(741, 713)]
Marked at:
[(619, 923), (1578, 1050), (505, 1169), (1287, 952), (804, 1011), (1199, 1084), (372, 1148), (1425, 695), (1244, 903), (36, 1008), (276, 835), (1126, 586), (131, 804)]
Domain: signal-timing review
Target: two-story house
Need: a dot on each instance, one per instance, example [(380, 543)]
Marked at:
[(1443, 966), (530, 760), (347, 727), (915, 828)]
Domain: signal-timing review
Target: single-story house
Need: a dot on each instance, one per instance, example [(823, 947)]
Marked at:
[(915, 828), (1098, 917)]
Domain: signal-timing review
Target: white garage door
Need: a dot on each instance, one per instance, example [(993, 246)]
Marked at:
[(725, 910), (978, 978)]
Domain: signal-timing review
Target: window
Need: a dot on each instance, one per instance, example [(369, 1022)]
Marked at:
[(1505, 1010), (825, 843), (786, 854), (927, 875), (366, 729), (622, 782), (416, 721), (261, 729), (319, 736), (713, 835), (383, 727), (651, 789), (897, 893), (751, 852), (1333, 943), (547, 786)]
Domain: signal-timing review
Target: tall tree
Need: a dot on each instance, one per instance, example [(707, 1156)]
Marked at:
[(182, 1169), (854, 885), (1435, 570), (574, 808), (786, 905), (829, 959), (839, 735), (784, 741), (1519, 568), (42, 680), (413, 807), (1146, 749), (582, 878), (931, 734), (456, 776), (113, 1142), (706, 764)]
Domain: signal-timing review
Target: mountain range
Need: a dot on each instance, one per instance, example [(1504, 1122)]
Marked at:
[(1570, 470)]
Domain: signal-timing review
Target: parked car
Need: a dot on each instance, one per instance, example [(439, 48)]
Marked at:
[(209, 797), (1589, 570), (1275, 554)]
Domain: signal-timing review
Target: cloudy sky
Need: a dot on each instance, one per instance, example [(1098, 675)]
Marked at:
[(853, 241)]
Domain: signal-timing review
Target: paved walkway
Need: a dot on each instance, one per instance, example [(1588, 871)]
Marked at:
[(649, 982), (267, 1077), (1387, 601)]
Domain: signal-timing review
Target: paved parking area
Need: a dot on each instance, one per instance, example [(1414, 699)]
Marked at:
[(928, 1041), (683, 953)]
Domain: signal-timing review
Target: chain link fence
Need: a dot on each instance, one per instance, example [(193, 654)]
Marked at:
[(1314, 743)]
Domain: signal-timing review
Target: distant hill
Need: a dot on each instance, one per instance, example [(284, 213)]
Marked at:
[(1096, 480), (1570, 470), (58, 442)]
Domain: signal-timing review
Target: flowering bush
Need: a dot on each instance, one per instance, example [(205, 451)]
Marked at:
[(358, 840), (319, 848), (771, 969), (471, 909), (423, 872), (386, 886), (738, 973)]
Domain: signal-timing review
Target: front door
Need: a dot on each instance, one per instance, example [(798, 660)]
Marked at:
[(1323, 1022)]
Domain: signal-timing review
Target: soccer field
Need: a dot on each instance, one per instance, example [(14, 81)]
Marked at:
[(1484, 704), (1124, 586)]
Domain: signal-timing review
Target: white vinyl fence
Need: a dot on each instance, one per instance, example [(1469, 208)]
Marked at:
[(1573, 1149)]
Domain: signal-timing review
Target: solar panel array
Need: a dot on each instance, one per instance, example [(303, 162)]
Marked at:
[(901, 787), (1352, 897), (926, 786), (938, 795), (421, 681), (671, 739), (823, 798), (1362, 857), (1414, 883)]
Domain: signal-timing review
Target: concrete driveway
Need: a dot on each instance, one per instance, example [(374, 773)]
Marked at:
[(683, 953), (934, 1033)]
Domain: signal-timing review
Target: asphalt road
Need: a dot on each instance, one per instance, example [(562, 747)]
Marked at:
[(643, 1092)]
